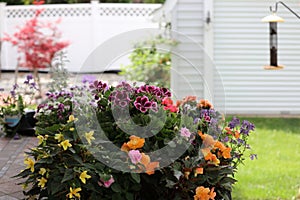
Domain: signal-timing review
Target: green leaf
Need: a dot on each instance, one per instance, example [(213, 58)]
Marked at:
[(117, 196), (129, 196), (69, 174), (136, 177), (116, 188)]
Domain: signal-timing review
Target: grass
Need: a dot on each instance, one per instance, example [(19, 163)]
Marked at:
[(276, 172)]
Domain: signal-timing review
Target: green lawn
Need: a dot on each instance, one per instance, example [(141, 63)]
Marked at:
[(276, 172)]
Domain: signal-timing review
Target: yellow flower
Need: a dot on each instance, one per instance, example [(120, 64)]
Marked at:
[(84, 176), (59, 137), (65, 144), (30, 164), (89, 136), (41, 139), (42, 171), (71, 129), (72, 119), (74, 192), (42, 182), (24, 186)]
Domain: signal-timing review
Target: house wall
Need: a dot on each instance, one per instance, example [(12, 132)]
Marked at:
[(241, 49)]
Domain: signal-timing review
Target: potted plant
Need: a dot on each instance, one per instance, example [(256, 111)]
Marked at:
[(13, 110), (132, 142)]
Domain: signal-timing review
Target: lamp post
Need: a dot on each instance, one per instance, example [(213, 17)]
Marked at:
[(273, 19)]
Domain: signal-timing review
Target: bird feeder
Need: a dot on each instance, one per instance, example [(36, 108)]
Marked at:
[(273, 19)]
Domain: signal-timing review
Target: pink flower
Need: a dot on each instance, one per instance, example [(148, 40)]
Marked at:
[(185, 132), (108, 183), (135, 156)]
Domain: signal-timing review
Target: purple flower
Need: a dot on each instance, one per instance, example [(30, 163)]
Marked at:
[(234, 122), (246, 127), (120, 98), (88, 79), (135, 156), (184, 132), (142, 104), (253, 156)]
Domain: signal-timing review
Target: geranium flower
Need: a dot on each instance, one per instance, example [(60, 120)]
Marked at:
[(143, 104), (89, 136), (203, 193), (135, 156), (83, 176), (135, 142), (74, 193), (65, 144), (30, 164), (42, 182)]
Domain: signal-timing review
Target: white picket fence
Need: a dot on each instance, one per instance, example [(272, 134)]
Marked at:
[(86, 26)]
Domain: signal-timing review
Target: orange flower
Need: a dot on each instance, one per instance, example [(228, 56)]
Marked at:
[(135, 142), (208, 140), (237, 134), (198, 170), (188, 98), (149, 166), (226, 153), (204, 103), (203, 193), (125, 147), (208, 156), (220, 146), (228, 130)]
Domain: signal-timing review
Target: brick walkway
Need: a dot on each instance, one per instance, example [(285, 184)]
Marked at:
[(11, 163)]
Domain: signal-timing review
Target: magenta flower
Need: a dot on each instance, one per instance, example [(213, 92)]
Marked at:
[(142, 104), (184, 132), (108, 183), (135, 156)]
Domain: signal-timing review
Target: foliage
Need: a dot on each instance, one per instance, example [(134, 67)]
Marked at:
[(150, 62), (102, 141), (19, 98), (37, 42), (276, 141)]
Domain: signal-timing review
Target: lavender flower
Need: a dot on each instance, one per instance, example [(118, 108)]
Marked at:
[(234, 122), (253, 156), (246, 127)]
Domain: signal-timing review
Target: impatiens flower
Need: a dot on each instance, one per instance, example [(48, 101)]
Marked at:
[(65, 144), (135, 142), (74, 193), (42, 182), (83, 176), (203, 193), (30, 164), (89, 136), (59, 137), (42, 171), (135, 156), (107, 183), (184, 132)]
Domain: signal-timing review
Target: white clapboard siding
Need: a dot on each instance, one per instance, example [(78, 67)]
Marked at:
[(241, 49), (187, 67)]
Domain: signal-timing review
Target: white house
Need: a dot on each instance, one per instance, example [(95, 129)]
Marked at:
[(233, 36)]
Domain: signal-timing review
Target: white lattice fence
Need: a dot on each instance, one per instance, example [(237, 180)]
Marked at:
[(86, 26)]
